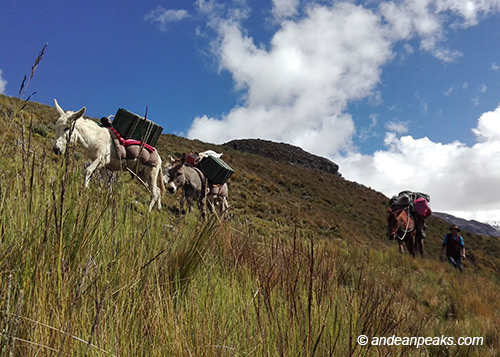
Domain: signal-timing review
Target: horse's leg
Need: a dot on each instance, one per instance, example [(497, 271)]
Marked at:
[(421, 247), (158, 179), (203, 198), (96, 164), (158, 198), (211, 203), (410, 243), (152, 177), (190, 203), (202, 205), (224, 207), (189, 199), (401, 246), (181, 202)]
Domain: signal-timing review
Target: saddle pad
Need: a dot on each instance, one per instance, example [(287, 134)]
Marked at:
[(217, 190), (131, 151)]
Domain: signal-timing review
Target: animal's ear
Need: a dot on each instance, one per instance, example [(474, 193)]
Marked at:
[(172, 160), (77, 115), (59, 109)]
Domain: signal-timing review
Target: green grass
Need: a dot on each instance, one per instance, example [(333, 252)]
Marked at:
[(303, 267)]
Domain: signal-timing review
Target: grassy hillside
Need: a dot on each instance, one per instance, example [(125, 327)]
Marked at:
[(302, 268)]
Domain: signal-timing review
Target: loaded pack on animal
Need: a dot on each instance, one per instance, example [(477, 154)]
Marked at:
[(405, 222), (203, 178), (108, 150)]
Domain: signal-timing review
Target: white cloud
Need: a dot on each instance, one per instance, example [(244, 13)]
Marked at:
[(284, 8), (297, 88), (461, 180), (399, 127), (366, 133), (495, 67), (163, 17), (488, 128), (3, 83), (428, 19)]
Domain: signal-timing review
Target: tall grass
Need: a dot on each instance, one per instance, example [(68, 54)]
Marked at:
[(88, 272), (155, 284)]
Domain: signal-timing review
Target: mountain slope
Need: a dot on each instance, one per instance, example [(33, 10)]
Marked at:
[(267, 187), (302, 268), (472, 226)]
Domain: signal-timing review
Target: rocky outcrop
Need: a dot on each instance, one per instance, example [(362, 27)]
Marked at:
[(285, 152)]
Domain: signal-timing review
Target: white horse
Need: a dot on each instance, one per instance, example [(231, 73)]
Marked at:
[(73, 128)]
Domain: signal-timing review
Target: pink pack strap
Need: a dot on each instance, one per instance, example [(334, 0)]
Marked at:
[(128, 142)]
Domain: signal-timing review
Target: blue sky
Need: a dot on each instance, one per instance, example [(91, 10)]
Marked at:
[(401, 94)]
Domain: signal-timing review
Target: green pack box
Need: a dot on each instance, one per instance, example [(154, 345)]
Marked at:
[(133, 126), (215, 169)]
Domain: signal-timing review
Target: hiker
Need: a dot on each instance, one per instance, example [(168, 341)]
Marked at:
[(455, 248)]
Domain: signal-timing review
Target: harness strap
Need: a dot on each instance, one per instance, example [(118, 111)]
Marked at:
[(128, 142), (407, 225)]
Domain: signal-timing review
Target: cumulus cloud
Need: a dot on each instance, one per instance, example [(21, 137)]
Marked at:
[(429, 19), (461, 179), (163, 17), (399, 127), (284, 8), (323, 56), (3, 83), (297, 90)]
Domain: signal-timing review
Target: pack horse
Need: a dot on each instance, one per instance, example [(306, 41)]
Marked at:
[(401, 226), (71, 127), (192, 181), (405, 222)]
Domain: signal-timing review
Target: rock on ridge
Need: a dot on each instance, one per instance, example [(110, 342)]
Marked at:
[(284, 152)]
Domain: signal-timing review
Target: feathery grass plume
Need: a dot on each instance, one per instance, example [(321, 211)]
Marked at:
[(38, 60), (26, 81)]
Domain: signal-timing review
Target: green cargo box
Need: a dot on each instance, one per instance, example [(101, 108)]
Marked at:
[(216, 170), (133, 126)]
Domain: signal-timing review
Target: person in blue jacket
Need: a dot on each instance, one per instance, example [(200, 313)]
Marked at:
[(455, 247)]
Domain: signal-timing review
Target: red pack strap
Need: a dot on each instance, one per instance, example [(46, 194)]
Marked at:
[(128, 142)]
